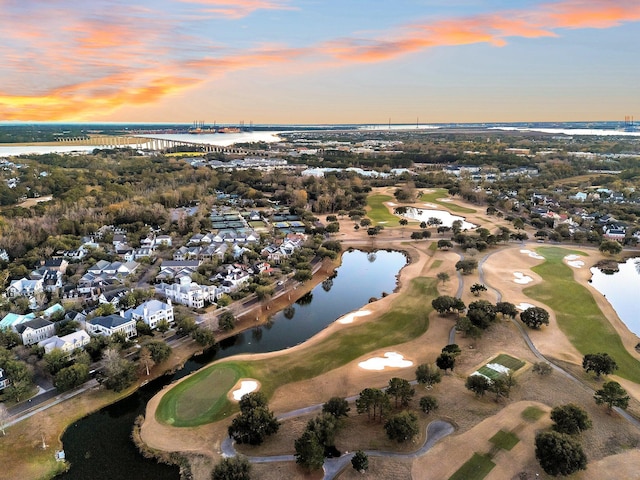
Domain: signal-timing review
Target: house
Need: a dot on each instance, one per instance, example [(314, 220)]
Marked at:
[(614, 232), (113, 296), (111, 324), (66, 343), (164, 240), (188, 293), (51, 278), (4, 256), (4, 380), (25, 287), (34, 331), (152, 312), (11, 319), (174, 268)]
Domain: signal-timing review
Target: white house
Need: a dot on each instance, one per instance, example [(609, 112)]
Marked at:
[(67, 343), (188, 293), (152, 312), (36, 330), (4, 380), (111, 324), (24, 287)]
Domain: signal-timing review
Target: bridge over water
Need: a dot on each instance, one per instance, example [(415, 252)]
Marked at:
[(148, 143)]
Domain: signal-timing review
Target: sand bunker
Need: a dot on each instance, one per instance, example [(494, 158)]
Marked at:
[(521, 278), (391, 359), (246, 386), (532, 254), (391, 204), (572, 261), (446, 200), (523, 306), (431, 205), (350, 317)]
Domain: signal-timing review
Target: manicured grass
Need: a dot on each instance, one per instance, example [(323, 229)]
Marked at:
[(407, 319), (508, 361), (442, 193), (577, 313), (489, 372), (476, 468), (532, 414), (379, 213), (504, 440), (433, 247), (436, 263)]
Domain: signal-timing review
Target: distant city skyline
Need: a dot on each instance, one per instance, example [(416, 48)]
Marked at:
[(313, 62)]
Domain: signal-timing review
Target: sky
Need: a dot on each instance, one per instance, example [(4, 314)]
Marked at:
[(319, 61)]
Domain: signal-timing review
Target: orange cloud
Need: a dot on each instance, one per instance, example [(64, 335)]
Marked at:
[(494, 29), (239, 8)]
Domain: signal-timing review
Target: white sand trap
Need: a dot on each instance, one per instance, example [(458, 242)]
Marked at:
[(391, 359), (445, 200), (521, 278), (391, 204), (350, 317), (523, 306), (246, 386), (532, 254), (573, 261), (431, 205)]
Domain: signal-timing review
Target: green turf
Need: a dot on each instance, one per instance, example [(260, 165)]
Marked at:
[(433, 247), (436, 263), (379, 213), (476, 468), (532, 414), (407, 319), (508, 361), (442, 193), (489, 372), (504, 440), (577, 313)]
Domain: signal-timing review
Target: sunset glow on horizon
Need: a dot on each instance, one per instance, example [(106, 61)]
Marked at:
[(298, 61)]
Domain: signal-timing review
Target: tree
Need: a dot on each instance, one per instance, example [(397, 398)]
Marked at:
[(374, 402), (445, 244), (570, 419), (534, 317), (184, 324), (324, 427), (255, 421), (232, 468), (163, 326), (21, 376), (309, 453), (613, 395), (336, 406), (4, 418), (611, 247), (55, 360), (502, 385), (446, 304), (452, 349), (559, 454), (360, 461), (402, 427), (227, 321), (467, 266), (428, 404), (599, 363), (446, 361), (9, 338), (443, 277), (428, 374), (160, 351), (477, 288), (481, 313), (542, 368), (203, 336), (71, 377), (478, 384), (146, 360), (506, 309), (401, 390), (119, 373)]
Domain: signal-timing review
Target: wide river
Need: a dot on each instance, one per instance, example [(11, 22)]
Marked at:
[(99, 446)]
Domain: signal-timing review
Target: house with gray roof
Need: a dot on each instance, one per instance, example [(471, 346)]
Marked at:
[(36, 330), (110, 324)]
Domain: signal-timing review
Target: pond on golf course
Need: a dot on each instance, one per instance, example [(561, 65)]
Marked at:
[(99, 446), (621, 290)]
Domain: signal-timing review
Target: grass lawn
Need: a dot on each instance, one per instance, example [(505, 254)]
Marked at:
[(578, 314), (436, 263), (476, 468), (407, 319), (532, 414), (504, 440), (379, 213), (508, 361), (442, 193)]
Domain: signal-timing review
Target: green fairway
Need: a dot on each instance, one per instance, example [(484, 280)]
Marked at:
[(532, 414), (577, 313), (407, 319), (504, 440), (476, 468), (379, 213), (434, 197)]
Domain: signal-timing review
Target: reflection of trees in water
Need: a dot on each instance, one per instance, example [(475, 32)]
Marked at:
[(327, 284), (306, 299), (289, 312), (256, 334), (269, 323), (637, 262), (371, 256)]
